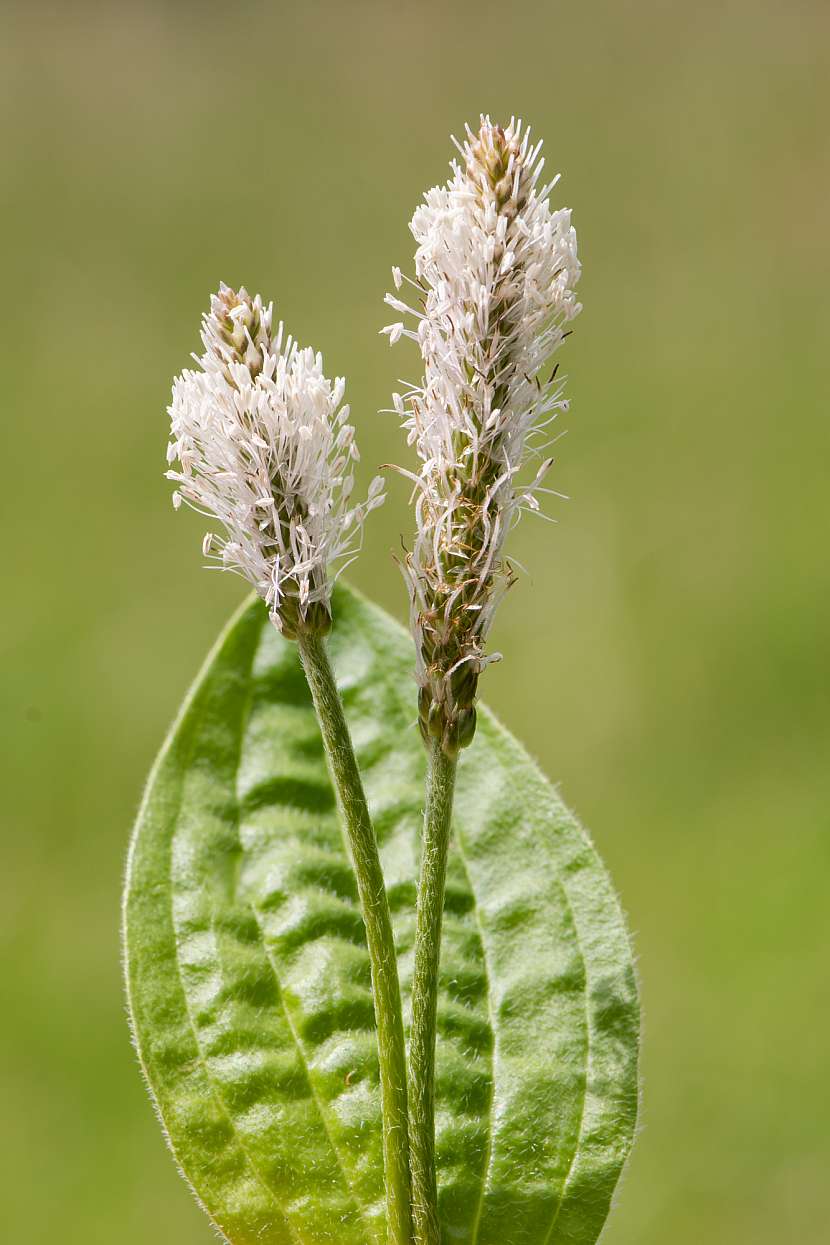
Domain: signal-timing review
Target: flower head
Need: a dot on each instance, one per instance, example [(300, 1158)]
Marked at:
[(495, 271), (264, 446)]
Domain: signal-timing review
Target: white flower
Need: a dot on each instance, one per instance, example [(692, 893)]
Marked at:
[(495, 271), (264, 446)]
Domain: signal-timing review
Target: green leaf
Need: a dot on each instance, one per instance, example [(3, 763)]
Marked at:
[(248, 977)]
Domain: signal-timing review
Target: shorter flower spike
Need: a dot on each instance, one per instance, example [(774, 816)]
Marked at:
[(495, 271), (264, 446)]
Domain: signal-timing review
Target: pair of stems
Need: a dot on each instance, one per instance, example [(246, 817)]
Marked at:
[(408, 1103)]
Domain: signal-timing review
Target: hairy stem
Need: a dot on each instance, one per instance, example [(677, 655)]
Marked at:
[(437, 818), (375, 906)]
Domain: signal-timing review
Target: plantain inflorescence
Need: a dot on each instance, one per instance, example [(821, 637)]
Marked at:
[(264, 445), (495, 272)]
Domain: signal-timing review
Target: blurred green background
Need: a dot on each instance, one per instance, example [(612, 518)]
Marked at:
[(667, 654)]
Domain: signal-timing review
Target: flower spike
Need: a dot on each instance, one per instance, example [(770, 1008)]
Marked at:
[(264, 446), (495, 271)]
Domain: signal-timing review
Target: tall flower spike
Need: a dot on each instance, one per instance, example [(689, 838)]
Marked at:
[(495, 275), (264, 446)]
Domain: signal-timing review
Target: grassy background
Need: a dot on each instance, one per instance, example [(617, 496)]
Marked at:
[(668, 652)]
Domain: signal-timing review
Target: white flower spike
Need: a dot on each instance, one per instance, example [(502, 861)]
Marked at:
[(264, 446), (495, 271)]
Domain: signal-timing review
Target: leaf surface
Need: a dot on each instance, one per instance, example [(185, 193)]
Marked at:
[(248, 976)]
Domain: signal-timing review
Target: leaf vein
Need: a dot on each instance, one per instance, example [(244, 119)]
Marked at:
[(485, 1168), (586, 1065)]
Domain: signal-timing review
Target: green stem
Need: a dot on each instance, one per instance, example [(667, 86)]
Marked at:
[(437, 818), (375, 905)]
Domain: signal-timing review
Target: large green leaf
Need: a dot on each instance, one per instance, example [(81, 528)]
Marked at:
[(248, 976)]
